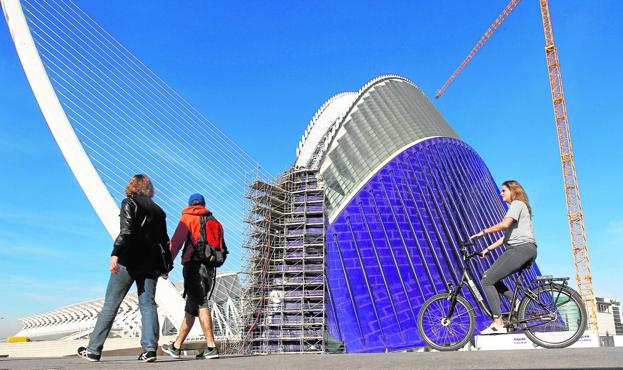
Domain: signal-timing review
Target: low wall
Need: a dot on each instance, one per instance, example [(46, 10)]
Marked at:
[(520, 341)]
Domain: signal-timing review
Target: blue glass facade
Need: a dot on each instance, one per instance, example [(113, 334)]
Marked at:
[(396, 243)]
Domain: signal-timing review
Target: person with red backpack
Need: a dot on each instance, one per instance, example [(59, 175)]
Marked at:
[(204, 250)]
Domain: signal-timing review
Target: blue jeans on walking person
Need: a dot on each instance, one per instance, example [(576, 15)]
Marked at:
[(118, 286)]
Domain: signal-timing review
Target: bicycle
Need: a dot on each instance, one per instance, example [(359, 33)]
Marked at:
[(552, 315)]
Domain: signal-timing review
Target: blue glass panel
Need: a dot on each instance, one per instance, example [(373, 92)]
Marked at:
[(396, 243)]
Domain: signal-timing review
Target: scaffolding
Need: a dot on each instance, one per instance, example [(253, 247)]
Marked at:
[(285, 310)]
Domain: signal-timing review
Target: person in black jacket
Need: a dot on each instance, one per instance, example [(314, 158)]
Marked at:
[(136, 257)]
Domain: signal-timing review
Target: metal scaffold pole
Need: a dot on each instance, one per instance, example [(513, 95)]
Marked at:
[(286, 291)]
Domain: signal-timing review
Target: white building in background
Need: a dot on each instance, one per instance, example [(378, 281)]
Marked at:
[(609, 316), (76, 321)]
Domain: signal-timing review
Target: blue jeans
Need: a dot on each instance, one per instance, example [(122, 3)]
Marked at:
[(118, 286)]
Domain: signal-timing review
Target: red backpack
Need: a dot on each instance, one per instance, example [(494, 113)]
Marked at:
[(210, 249)]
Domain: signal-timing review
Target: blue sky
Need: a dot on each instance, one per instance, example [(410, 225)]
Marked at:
[(260, 70)]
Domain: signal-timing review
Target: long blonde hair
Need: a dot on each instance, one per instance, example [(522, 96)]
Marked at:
[(518, 193), (140, 185)]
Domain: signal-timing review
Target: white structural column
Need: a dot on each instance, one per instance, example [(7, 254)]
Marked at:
[(77, 159)]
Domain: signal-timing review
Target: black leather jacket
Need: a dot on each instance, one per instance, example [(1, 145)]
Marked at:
[(143, 229)]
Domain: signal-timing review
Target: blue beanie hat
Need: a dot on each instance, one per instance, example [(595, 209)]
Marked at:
[(196, 199)]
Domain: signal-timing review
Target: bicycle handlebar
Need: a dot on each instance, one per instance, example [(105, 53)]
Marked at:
[(467, 252)]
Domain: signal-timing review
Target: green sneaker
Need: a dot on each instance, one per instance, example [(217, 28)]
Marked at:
[(171, 350), (208, 353)]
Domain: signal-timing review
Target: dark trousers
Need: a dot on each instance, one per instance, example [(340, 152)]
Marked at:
[(508, 263)]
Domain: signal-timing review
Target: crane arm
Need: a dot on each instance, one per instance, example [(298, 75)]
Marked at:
[(487, 35)]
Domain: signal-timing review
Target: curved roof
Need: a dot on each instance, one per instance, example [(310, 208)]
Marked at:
[(328, 114), (386, 116)]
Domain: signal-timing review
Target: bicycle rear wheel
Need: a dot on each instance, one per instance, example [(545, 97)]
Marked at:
[(555, 318), (445, 333)]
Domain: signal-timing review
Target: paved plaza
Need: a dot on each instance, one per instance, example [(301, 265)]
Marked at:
[(581, 358)]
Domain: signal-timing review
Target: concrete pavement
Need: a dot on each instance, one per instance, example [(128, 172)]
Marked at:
[(579, 358)]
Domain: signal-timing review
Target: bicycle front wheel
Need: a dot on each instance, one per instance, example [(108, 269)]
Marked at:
[(443, 332), (554, 317)]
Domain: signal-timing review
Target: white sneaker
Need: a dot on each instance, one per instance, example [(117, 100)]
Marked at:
[(494, 329)]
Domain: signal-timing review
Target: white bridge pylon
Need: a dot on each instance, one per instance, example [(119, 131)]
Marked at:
[(167, 297)]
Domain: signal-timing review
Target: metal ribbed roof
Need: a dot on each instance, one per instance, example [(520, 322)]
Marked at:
[(388, 115)]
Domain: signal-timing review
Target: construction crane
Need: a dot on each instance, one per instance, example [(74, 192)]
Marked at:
[(579, 244)]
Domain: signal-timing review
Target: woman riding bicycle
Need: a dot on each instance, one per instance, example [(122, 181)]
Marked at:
[(521, 248)]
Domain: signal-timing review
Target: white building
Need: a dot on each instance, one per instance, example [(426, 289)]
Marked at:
[(76, 321), (609, 316)]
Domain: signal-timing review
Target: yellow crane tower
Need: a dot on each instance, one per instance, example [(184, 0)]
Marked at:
[(579, 244)]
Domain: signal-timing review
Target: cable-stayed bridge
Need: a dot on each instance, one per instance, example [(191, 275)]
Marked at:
[(113, 117)]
